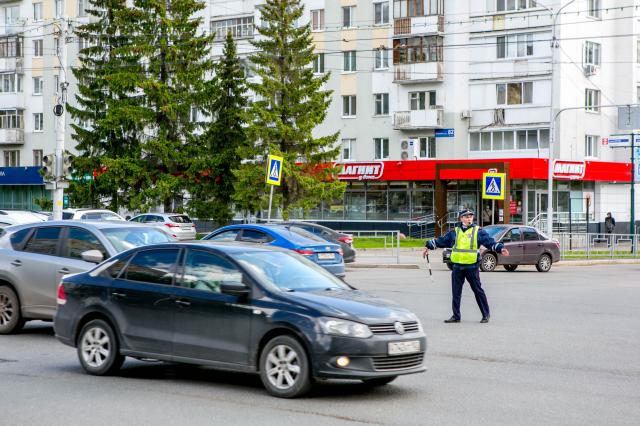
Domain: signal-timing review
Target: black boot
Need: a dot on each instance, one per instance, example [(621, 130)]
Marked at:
[(451, 320)]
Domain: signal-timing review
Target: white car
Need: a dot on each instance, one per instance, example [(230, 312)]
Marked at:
[(19, 217), (177, 225), (90, 214)]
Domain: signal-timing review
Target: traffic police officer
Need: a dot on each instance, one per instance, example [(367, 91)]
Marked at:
[(464, 242)]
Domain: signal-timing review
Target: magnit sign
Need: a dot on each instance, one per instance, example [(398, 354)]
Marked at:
[(361, 171), (568, 169)]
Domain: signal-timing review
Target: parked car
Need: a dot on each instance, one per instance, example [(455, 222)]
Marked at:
[(345, 240), (178, 225), (526, 245), (18, 217), (90, 214), (238, 307), (34, 257), (326, 254)]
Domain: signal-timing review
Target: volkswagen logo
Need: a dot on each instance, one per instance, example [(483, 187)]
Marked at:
[(399, 327)]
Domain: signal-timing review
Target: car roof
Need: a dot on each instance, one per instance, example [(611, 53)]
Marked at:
[(280, 229), (88, 224), (227, 247), (163, 214)]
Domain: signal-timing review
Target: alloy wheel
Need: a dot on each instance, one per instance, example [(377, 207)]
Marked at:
[(95, 347), (489, 262), (6, 309), (282, 367)]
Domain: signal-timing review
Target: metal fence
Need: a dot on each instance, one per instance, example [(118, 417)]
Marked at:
[(598, 246), (390, 239)]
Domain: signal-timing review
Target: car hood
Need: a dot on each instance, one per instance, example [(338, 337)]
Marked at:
[(353, 305)]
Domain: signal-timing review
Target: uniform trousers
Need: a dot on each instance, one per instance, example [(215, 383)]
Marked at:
[(457, 281)]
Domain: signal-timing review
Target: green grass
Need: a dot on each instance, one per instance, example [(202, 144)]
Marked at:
[(379, 242)]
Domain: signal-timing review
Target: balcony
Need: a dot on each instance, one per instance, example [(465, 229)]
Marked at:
[(415, 120), (11, 136), (12, 64), (418, 25), (420, 72)]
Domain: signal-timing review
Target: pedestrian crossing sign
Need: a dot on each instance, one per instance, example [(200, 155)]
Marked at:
[(274, 170), (493, 186)]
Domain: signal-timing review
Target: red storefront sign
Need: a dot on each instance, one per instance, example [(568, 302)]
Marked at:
[(513, 207), (569, 169), (362, 171)]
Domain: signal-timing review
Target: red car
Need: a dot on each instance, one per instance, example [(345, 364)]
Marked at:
[(526, 245)]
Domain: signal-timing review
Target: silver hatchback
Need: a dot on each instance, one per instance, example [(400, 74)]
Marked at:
[(35, 257), (178, 225)]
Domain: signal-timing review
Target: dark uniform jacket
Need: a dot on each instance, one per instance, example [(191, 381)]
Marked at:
[(449, 239)]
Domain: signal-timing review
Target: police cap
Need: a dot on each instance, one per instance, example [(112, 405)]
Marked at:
[(465, 212)]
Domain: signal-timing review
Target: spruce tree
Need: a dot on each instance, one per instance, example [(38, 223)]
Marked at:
[(291, 103), (212, 174)]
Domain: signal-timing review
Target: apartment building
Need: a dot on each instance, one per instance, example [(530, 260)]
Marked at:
[(428, 94)]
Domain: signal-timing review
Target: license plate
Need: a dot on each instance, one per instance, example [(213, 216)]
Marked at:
[(408, 347), (326, 256)]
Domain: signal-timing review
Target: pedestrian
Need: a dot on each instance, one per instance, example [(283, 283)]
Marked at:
[(609, 223), (486, 215), (464, 241)]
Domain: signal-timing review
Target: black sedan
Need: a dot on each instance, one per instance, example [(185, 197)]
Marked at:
[(526, 245), (345, 240), (236, 307)]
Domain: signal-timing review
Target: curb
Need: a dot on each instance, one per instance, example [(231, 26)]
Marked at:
[(382, 265), (591, 262)]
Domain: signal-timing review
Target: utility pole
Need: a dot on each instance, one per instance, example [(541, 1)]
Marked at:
[(59, 111), (632, 221)]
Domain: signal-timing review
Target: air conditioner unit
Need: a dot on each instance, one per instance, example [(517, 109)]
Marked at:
[(590, 69), (409, 149), (465, 114)]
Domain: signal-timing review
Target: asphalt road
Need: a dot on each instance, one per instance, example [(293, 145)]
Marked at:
[(561, 348)]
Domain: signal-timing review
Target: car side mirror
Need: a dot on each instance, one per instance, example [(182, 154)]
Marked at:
[(234, 288), (506, 240), (93, 256)]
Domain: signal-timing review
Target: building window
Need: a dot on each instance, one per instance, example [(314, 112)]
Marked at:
[(193, 114), (427, 147), (591, 53), (349, 106), (592, 100), (381, 13), (349, 61), (318, 64), (83, 43), (381, 148), (381, 58), (12, 158), (38, 122), (348, 13), (37, 157), (56, 46), (82, 7), (11, 118), (594, 9), (509, 140), (515, 46), (504, 5), (238, 27), (348, 146), (591, 145), (12, 15), (418, 100), (514, 93), (37, 85), (37, 47), (37, 11), (317, 20), (10, 47), (59, 8), (409, 8), (10, 83), (381, 101), (417, 49)]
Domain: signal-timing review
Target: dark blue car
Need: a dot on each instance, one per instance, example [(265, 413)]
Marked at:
[(235, 307), (326, 254)]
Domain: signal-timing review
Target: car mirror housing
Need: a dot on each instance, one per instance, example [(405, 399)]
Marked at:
[(93, 256), (234, 288)]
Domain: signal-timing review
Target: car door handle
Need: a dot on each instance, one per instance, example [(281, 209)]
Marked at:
[(183, 302), (63, 271), (16, 263), (118, 295)]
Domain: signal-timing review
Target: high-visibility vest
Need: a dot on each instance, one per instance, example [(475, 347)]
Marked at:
[(465, 249)]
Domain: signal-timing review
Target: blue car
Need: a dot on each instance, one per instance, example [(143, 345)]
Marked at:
[(326, 254)]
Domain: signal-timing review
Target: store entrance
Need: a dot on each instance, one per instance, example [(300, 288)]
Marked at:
[(538, 202), (459, 200)]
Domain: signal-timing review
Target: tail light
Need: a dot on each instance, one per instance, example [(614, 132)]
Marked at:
[(557, 243), (193, 225), (172, 225), (304, 252), (61, 298), (347, 239)]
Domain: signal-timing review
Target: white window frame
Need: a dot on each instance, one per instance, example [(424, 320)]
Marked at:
[(591, 145), (380, 104), (37, 157), (38, 122), (318, 64), (12, 15), (37, 48), (381, 148), (592, 100), (349, 61), (381, 13), (509, 5), (349, 106), (514, 46), (38, 85), (12, 158), (82, 8), (347, 147), (317, 20), (426, 146), (594, 9), (592, 53), (508, 140), (381, 59), (240, 27), (526, 93), (37, 11), (422, 100), (348, 13), (58, 8)]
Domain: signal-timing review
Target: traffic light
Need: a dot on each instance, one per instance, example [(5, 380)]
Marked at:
[(48, 167), (67, 165)]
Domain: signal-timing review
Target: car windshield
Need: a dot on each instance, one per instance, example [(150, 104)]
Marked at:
[(101, 216), (288, 271), (180, 219), (493, 231), (126, 238), (304, 233)]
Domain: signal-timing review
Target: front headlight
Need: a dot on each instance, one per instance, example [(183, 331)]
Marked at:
[(340, 327)]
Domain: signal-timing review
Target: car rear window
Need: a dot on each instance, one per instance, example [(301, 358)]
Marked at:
[(305, 233), (180, 219), (67, 216), (17, 238), (45, 241)]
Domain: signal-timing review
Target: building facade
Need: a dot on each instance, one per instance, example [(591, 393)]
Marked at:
[(434, 92)]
